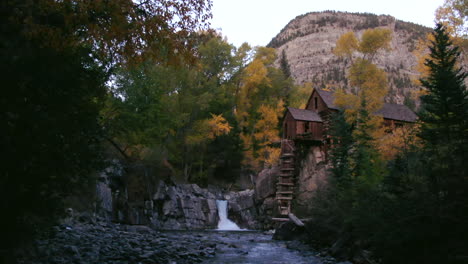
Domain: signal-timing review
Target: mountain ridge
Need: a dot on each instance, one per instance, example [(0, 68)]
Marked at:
[(307, 41)]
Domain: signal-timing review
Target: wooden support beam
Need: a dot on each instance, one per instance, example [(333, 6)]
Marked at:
[(285, 184), (295, 220), (283, 198), (280, 219)]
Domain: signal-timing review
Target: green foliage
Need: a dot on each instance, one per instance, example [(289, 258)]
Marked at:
[(417, 211), (284, 64), (173, 110), (444, 132), (55, 60), (50, 134), (366, 162), (341, 132)]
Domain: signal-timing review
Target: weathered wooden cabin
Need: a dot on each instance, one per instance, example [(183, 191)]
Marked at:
[(394, 115), (311, 124), (302, 123)]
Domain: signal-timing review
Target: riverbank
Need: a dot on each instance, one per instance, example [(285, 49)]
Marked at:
[(103, 243)]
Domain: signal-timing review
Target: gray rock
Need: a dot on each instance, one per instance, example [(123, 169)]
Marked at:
[(289, 231), (265, 184)]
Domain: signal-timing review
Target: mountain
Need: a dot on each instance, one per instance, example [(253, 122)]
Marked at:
[(305, 45)]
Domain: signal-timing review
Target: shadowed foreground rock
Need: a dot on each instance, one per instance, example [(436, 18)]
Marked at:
[(118, 244)]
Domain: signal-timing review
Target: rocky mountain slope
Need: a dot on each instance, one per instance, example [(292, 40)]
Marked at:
[(306, 44)]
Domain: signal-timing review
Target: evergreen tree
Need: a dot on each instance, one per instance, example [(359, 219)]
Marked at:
[(367, 165), (284, 64), (444, 132), (341, 133)]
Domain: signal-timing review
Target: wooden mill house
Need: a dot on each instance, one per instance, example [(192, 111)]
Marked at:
[(310, 124)]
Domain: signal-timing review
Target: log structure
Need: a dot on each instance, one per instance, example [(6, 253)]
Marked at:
[(312, 125), (286, 181)]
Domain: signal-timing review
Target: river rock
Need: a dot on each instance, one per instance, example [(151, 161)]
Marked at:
[(183, 206), (289, 231), (265, 183), (113, 243), (242, 209)]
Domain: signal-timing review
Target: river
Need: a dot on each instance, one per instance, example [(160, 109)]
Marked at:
[(255, 247)]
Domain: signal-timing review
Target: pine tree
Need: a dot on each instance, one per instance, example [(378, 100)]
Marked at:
[(444, 112), (341, 133), (444, 131), (284, 64), (367, 167)]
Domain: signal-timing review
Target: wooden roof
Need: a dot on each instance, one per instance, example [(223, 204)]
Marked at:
[(388, 111), (329, 98), (304, 115), (397, 112)]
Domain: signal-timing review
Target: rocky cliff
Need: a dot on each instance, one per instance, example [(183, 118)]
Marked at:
[(141, 195), (306, 44), (312, 174)]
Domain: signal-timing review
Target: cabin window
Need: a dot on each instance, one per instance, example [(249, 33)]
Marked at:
[(398, 125), (306, 127), (316, 103)]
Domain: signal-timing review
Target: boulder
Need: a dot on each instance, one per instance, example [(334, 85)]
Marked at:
[(242, 209), (312, 175), (289, 231), (184, 206), (265, 184)]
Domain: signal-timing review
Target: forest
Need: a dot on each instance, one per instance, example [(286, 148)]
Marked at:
[(152, 83)]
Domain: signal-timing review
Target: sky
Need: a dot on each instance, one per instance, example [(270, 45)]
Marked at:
[(258, 21)]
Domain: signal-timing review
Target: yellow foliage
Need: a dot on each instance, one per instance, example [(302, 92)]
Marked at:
[(258, 152), (371, 83), (453, 15), (399, 140), (248, 151), (272, 156), (267, 127), (377, 123), (422, 53), (218, 126), (346, 45), (265, 55), (254, 75), (299, 95), (208, 129), (373, 40)]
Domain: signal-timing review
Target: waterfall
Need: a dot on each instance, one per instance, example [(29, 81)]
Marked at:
[(224, 222)]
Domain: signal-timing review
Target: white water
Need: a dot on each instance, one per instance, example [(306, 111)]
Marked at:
[(224, 222)]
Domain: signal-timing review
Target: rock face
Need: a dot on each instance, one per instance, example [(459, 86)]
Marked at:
[(265, 183), (134, 200), (313, 172), (265, 192), (308, 40), (184, 206), (242, 209)]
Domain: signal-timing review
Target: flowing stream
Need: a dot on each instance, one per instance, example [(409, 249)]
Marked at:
[(255, 247), (239, 246)]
